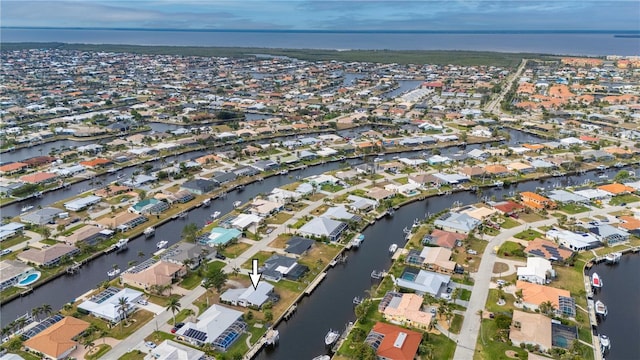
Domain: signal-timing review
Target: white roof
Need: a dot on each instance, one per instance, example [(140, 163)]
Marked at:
[(245, 220), (109, 307), (213, 322), (536, 266), (593, 193), (81, 203), (171, 350)]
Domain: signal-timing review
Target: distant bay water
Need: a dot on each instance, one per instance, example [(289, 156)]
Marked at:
[(596, 43)]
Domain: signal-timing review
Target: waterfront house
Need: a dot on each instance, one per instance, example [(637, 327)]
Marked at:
[(445, 239), (223, 177), (47, 257), (573, 241), (456, 222), (322, 227), (59, 340), (219, 326), (423, 282), (593, 194), (39, 178), (82, 203), (123, 221), (405, 310), (277, 267), (13, 168), (538, 271), (565, 197), (298, 246), (432, 258), (530, 329), (88, 234), (507, 207), (536, 201), (199, 186), (146, 276), (149, 206), (496, 170), (244, 221), (617, 189), (41, 216), (11, 272), (608, 234), (340, 213), (219, 236), (184, 251), (392, 342), (265, 208), (171, 350), (547, 250), (105, 305), (248, 297), (534, 294), (10, 230), (630, 224)]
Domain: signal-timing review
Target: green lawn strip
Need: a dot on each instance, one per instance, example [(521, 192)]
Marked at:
[(103, 349), (626, 198), (443, 347), (49, 241), (491, 347), (234, 250), (456, 323), (191, 280), (511, 249), (239, 347), (262, 256), (159, 336), (465, 294), (133, 355), (509, 223), (279, 218), (180, 316), (256, 333), (528, 235), (573, 208), (139, 318), (14, 241), (492, 302)]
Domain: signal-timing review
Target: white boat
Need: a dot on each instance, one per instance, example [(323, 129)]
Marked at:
[(206, 202), (618, 165), (112, 170), (602, 167), (357, 241), (322, 357), (237, 203), (161, 244), (393, 248), (596, 282), (613, 258), (284, 172), (215, 215), (601, 308), (149, 232), (122, 243), (603, 176), (114, 272), (498, 184), (331, 337), (605, 343), (26, 208)]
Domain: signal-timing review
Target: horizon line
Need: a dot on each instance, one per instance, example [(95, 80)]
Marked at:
[(337, 31)]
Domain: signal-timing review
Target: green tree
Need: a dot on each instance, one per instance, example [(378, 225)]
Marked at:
[(621, 175), (190, 232), (123, 308), (46, 309), (217, 278), (173, 305), (268, 316)]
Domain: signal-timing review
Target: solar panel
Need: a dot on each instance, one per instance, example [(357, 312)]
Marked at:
[(196, 334), (536, 252)]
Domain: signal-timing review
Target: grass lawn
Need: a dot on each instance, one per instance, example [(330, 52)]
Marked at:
[(626, 198), (511, 249), (191, 280), (49, 241), (136, 321), (159, 336), (262, 256), (532, 217), (317, 196), (14, 241), (233, 251), (102, 349), (180, 316), (464, 294), (331, 188), (490, 347), (492, 301), (298, 224), (279, 218), (509, 223), (319, 210), (456, 323), (133, 355), (573, 208), (402, 180), (528, 235), (280, 241)]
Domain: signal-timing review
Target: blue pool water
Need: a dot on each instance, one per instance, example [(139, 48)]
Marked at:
[(30, 279), (409, 276)]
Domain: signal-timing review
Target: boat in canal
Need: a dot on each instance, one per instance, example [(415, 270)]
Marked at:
[(331, 337), (121, 244), (605, 343), (215, 214), (161, 244), (601, 308), (357, 241), (613, 258), (596, 281), (206, 202), (393, 248), (149, 232), (26, 208), (498, 184), (113, 272), (284, 172), (237, 203), (322, 357)]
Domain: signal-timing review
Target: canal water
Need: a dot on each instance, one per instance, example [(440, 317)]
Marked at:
[(621, 294)]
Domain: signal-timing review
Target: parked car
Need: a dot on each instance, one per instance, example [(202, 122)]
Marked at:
[(220, 256), (6, 251), (143, 302), (150, 344)]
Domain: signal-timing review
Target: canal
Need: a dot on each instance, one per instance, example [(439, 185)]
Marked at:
[(621, 293)]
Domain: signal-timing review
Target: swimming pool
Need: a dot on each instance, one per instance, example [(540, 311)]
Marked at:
[(30, 279), (408, 276)]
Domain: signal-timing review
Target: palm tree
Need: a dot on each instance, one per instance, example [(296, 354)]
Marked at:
[(35, 312), (46, 309), (21, 322), (123, 307), (174, 305), (140, 254), (88, 343)]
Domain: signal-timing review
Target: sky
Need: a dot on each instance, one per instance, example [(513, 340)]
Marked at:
[(486, 15)]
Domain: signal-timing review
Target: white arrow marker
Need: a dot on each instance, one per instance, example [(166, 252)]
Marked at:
[(254, 275)]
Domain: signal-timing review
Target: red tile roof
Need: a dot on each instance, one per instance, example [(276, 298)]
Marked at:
[(407, 341)]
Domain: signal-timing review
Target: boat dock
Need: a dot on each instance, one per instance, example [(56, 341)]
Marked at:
[(340, 259), (375, 274), (290, 312), (342, 337), (271, 338), (315, 283), (74, 268)]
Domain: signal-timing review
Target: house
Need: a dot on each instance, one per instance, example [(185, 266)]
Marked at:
[(593, 194), (298, 245), (456, 222), (617, 189), (423, 282), (608, 234), (528, 328), (340, 213), (219, 237), (88, 234), (244, 221), (199, 186), (11, 272), (219, 326), (536, 201), (534, 294), (496, 170), (573, 241), (277, 267), (445, 239), (538, 271), (11, 229), (123, 221), (82, 203), (47, 257), (146, 276), (282, 196), (58, 340), (265, 208), (39, 178), (392, 342), (171, 350), (41, 216), (323, 227), (184, 251), (547, 250), (565, 197), (223, 177), (149, 206), (265, 165), (248, 297), (105, 305), (405, 310), (507, 207), (432, 258)]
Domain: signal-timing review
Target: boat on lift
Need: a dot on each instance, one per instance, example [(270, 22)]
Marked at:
[(113, 272), (149, 232), (237, 203), (596, 281), (331, 337), (605, 343), (161, 244), (121, 244), (393, 248), (613, 258), (206, 202), (601, 308), (215, 214)]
